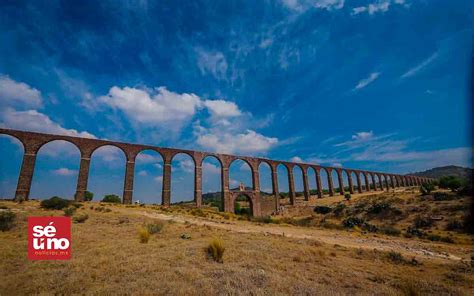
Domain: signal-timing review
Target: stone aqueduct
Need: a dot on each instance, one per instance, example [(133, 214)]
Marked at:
[(33, 141)]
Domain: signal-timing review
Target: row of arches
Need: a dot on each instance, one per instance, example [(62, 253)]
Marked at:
[(311, 180)]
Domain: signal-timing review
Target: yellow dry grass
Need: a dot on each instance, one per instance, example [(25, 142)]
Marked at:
[(108, 258)]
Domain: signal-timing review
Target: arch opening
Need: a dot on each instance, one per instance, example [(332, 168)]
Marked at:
[(107, 172), (57, 162), (240, 173), (211, 182), (243, 205), (148, 177), (299, 182), (12, 152), (283, 185), (267, 198), (182, 179)]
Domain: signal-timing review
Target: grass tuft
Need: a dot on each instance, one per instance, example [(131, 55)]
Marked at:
[(144, 235), (216, 250), (7, 220)]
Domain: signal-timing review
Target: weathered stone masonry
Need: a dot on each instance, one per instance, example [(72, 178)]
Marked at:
[(32, 142)]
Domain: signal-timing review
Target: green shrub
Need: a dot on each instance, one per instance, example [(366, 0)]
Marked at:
[(339, 209), (322, 209), (411, 231), (155, 227), (378, 208), (88, 196), (7, 220), (144, 235), (347, 196), (80, 218), (369, 227), (451, 182), (216, 250), (68, 212), (396, 257), (112, 198), (426, 188), (351, 222), (55, 203), (422, 222)]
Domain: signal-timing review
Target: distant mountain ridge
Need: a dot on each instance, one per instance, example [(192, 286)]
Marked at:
[(450, 170)]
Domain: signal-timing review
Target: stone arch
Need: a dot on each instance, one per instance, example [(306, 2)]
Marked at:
[(283, 183), (235, 196), (356, 181), (183, 167), (268, 204), (148, 176), (246, 176), (312, 181), (12, 151), (330, 180), (57, 161), (336, 175), (212, 180), (299, 173), (113, 158)]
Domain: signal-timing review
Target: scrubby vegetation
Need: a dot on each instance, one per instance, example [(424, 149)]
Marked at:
[(68, 212), (216, 250), (55, 203), (7, 220), (155, 227), (144, 235), (112, 198), (88, 196), (80, 218)]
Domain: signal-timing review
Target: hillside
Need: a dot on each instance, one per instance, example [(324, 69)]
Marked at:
[(450, 170)]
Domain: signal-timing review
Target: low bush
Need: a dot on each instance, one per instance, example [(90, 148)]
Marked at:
[(55, 203), (68, 212), (339, 209), (198, 212), (389, 230), (7, 220), (80, 218), (437, 238), (263, 219), (451, 182), (441, 196), (112, 198), (322, 209), (422, 222), (347, 196), (216, 250), (351, 222), (426, 188), (396, 257), (155, 227), (88, 196), (411, 231), (144, 235), (369, 227), (454, 225)]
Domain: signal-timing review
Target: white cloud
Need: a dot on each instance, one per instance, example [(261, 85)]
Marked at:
[(336, 164), (64, 172), (420, 66), (221, 108), (153, 106), (32, 120), (147, 158), (228, 142), (143, 173), (186, 165), (211, 168), (233, 183), (296, 159), (363, 136), (366, 81), (158, 179), (212, 62), (302, 5), (12, 92), (377, 7)]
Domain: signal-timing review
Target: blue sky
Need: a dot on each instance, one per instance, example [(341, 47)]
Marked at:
[(381, 85)]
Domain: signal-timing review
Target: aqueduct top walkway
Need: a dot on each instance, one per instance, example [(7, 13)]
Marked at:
[(33, 141)]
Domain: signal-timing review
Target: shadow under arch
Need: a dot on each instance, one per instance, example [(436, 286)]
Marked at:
[(57, 162), (243, 204), (107, 171), (12, 151), (148, 177)]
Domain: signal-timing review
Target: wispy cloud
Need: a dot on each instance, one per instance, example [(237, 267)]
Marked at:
[(377, 7), (420, 66), (303, 5), (366, 81)]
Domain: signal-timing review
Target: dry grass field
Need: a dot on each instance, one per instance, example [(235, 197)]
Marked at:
[(282, 256)]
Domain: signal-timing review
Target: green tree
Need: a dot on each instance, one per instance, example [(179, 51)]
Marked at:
[(451, 182), (426, 188), (111, 198), (88, 196)]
